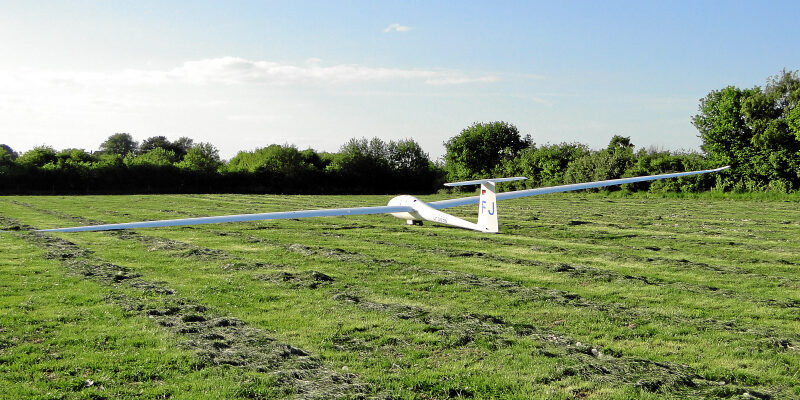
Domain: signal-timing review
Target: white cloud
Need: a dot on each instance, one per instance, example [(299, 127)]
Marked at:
[(233, 70), (236, 71), (233, 102), (397, 28)]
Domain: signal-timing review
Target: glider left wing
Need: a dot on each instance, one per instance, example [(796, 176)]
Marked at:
[(237, 218)]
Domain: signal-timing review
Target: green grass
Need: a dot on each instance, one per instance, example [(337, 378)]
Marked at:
[(580, 296)]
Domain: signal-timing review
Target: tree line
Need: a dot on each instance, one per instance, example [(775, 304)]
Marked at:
[(755, 130), (158, 165)]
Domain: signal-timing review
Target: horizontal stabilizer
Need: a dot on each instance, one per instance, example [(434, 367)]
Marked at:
[(482, 181)]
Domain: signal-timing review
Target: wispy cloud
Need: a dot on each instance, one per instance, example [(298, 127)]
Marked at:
[(237, 71), (397, 28)]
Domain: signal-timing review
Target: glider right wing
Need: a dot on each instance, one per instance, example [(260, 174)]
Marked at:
[(463, 201)]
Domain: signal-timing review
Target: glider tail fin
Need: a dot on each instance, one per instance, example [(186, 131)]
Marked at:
[(487, 202), (487, 208)]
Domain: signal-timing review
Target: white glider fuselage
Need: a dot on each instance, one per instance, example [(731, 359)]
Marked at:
[(424, 212), (487, 208)]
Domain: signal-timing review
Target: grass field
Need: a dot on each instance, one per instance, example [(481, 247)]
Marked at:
[(580, 296)]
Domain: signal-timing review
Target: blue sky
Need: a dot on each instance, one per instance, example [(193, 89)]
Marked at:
[(244, 75)]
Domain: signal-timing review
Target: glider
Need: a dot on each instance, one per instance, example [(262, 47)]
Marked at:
[(406, 207)]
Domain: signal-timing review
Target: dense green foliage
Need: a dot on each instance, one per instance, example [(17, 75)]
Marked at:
[(756, 131), (481, 148), (119, 143), (581, 296), (161, 166)]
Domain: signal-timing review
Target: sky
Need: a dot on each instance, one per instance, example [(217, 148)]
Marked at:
[(246, 74)]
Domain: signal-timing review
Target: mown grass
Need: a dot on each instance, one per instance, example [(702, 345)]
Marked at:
[(580, 296)]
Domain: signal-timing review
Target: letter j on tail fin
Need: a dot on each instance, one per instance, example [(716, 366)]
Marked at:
[(487, 212)]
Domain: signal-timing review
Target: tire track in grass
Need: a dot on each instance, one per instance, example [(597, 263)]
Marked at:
[(216, 339)]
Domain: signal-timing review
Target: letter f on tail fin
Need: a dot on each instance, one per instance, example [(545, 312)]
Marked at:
[(487, 208)]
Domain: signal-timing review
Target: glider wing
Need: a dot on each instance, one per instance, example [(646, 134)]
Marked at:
[(408, 209), (237, 218), (564, 188)]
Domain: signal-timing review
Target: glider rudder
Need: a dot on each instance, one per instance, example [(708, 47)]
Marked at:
[(487, 201), (487, 208)]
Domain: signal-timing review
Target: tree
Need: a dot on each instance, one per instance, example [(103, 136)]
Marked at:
[(7, 151), (544, 166), (771, 113), (179, 147), (154, 142), (119, 143), (7, 155), (109, 161), (362, 157), (182, 146), (482, 147), (274, 159), (407, 156), (756, 131), (38, 157), (74, 156), (725, 135), (620, 142), (201, 157), (609, 163), (653, 162), (7, 158), (157, 157), (361, 165)]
